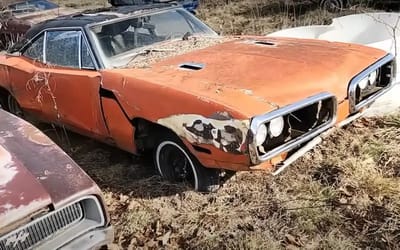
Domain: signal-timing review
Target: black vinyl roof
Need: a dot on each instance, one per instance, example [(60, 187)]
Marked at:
[(91, 16)]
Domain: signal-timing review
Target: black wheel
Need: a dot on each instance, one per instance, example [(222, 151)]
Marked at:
[(332, 5), (13, 107), (176, 164)]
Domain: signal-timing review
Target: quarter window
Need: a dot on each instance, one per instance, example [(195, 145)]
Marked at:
[(87, 62), (35, 50)]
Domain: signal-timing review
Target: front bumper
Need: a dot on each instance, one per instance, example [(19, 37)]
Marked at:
[(311, 144), (94, 239)]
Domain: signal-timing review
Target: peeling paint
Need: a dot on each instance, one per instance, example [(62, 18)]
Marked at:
[(12, 214), (226, 134), (35, 136)]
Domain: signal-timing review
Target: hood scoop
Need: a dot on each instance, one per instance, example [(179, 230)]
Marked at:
[(265, 43), (191, 66)]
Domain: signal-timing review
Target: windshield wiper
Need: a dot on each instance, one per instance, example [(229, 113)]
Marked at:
[(186, 36)]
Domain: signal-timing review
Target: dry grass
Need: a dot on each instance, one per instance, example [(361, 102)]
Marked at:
[(264, 16), (343, 195)]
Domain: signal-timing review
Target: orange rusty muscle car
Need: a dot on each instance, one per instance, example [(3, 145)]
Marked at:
[(156, 79)]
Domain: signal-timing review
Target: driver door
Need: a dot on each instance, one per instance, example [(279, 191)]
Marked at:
[(66, 83)]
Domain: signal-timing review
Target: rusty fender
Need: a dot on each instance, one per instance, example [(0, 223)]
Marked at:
[(223, 132)]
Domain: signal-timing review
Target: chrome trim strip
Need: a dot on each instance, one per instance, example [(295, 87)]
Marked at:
[(257, 121), (353, 85)]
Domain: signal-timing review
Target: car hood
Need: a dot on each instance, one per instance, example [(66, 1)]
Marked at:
[(256, 74), (35, 174)]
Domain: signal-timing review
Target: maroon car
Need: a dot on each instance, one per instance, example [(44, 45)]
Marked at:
[(46, 200), (17, 16)]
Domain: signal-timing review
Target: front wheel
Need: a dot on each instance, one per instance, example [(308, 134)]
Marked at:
[(176, 164)]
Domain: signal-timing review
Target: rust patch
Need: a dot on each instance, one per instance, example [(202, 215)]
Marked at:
[(35, 136), (225, 134)]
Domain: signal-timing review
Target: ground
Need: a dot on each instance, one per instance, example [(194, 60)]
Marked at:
[(345, 194)]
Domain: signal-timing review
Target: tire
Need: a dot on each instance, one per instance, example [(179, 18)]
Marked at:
[(11, 105), (176, 164), (332, 5)]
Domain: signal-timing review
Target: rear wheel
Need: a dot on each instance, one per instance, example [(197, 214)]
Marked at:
[(13, 107), (176, 164)]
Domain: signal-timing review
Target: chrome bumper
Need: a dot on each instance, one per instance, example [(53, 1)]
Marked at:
[(94, 239), (311, 144)]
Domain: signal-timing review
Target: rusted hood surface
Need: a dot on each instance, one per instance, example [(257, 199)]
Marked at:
[(256, 75), (21, 194), (34, 173)]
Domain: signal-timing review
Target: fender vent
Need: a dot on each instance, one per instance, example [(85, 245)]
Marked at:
[(192, 66)]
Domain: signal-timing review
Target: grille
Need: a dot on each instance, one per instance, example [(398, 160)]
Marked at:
[(373, 82), (42, 228), (302, 121)]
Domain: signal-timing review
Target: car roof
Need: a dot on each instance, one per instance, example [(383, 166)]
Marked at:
[(94, 16)]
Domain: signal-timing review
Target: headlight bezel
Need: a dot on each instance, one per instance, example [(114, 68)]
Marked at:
[(288, 145), (354, 88)]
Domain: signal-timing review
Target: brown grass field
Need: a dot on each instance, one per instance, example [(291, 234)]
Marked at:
[(345, 194)]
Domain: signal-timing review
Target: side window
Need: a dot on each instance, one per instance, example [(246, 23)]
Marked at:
[(87, 62), (62, 48), (35, 50)]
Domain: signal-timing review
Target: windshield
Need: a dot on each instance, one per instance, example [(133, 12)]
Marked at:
[(118, 41)]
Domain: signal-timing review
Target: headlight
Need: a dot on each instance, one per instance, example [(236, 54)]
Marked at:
[(363, 83), (373, 77), (261, 135), (276, 126)]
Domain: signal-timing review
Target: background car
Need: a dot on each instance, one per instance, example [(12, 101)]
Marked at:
[(190, 5), (18, 16), (158, 80), (47, 201), (336, 5), (358, 28)]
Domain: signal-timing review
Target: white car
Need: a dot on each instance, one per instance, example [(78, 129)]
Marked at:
[(378, 30)]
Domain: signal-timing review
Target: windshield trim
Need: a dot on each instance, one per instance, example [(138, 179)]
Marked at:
[(132, 15)]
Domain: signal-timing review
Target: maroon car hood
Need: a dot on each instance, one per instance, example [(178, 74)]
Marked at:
[(35, 173), (21, 193)]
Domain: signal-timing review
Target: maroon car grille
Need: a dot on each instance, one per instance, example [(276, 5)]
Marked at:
[(42, 228)]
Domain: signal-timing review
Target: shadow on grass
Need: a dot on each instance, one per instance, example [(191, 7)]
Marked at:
[(113, 170)]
